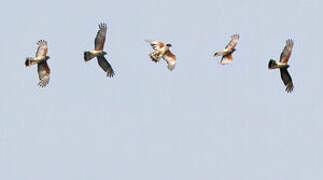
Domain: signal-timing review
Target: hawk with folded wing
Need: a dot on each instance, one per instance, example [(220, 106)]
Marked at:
[(228, 50), (98, 51), (162, 51), (283, 65), (41, 60)]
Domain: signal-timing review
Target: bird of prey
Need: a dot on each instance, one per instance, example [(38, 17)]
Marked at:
[(228, 50), (98, 51), (283, 65), (162, 51), (41, 60)]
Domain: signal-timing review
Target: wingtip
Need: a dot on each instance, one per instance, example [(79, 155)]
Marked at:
[(110, 74), (235, 36), (290, 42), (289, 88), (102, 25), (41, 42), (43, 84)]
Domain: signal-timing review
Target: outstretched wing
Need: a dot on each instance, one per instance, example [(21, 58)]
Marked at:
[(100, 37), (156, 45), (226, 59), (42, 48), (287, 80), (105, 65), (43, 73), (170, 58), (229, 49), (284, 56), (233, 43)]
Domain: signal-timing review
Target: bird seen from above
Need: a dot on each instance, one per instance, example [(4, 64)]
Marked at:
[(162, 51), (228, 50), (283, 65), (41, 60), (98, 51)]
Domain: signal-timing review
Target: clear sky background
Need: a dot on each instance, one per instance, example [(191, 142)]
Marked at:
[(201, 121)]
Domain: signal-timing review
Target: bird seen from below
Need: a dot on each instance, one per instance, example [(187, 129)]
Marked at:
[(41, 60), (98, 51), (162, 51), (228, 50), (283, 65)]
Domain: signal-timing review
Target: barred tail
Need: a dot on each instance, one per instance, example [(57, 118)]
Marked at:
[(29, 61), (272, 64), (88, 56)]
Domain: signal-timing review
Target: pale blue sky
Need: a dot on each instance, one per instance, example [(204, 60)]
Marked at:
[(201, 121)]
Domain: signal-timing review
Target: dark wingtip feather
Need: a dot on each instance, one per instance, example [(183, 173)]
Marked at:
[(110, 74), (289, 88)]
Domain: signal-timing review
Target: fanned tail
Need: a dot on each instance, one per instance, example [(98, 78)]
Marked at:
[(88, 56), (272, 64), (29, 61), (171, 65)]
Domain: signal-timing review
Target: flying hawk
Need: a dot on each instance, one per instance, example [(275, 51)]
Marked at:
[(98, 51), (41, 60), (283, 65), (162, 51), (228, 50)]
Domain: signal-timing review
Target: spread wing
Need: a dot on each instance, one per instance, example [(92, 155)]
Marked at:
[(100, 37), (226, 59), (287, 80), (233, 43), (156, 45), (284, 56), (43, 73), (105, 65), (170, 58), (42, 48)]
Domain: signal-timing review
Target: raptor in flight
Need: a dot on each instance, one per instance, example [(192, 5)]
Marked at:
[(98, 51), (162, 51), (228, 50), (283, 65), (41, 60)]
